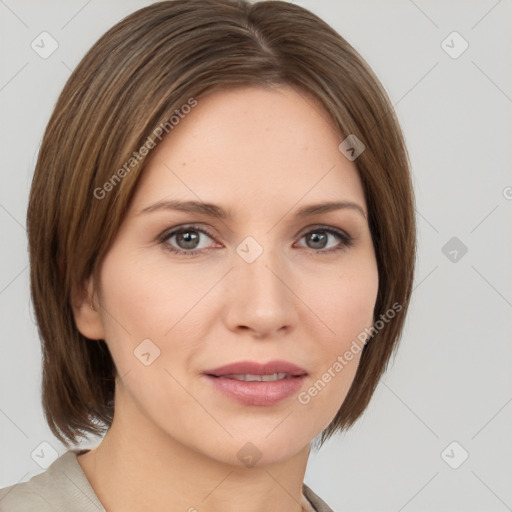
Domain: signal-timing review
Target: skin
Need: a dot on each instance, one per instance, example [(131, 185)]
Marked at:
[(260, 154)]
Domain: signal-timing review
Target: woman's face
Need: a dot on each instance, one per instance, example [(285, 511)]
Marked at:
[(260, 283)]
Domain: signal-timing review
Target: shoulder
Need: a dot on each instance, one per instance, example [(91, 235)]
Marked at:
[(23, 498), (318, 504), (62, 487), (38, 493)]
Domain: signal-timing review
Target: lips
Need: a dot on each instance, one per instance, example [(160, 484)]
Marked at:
[(257, 384)]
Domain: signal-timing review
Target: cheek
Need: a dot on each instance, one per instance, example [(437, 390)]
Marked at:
[(147, 300), (155, 319), (344, 308), (342, 302), (146, 325)]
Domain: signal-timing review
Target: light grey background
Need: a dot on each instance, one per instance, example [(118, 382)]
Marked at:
[(451, 380)]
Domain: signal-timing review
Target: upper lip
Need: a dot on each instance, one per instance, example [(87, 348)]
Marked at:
[(255, 368)]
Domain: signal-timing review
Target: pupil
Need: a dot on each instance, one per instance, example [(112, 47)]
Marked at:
[(321, 239), (189, 238)]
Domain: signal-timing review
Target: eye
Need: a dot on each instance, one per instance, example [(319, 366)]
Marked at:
[(186, 238), (318, 239)]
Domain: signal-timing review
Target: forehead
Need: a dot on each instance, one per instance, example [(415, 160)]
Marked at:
[(246, 145)]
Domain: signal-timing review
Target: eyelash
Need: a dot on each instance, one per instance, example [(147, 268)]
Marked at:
[(345, 239)]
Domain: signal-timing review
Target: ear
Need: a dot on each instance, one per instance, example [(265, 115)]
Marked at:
[(86, 311)]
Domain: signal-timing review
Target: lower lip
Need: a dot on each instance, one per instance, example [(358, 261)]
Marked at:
[(258, 392)]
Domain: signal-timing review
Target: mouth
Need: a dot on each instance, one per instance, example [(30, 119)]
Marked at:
[(253, 383)]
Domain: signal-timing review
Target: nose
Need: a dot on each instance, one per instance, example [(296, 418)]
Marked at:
[(261, 299)]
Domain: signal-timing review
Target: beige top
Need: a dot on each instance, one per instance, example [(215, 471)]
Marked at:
[(64, 487)]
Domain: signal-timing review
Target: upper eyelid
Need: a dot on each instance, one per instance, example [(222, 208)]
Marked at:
[(172, 231)]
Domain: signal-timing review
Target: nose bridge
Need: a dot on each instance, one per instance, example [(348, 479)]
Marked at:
[(261, 299), (259, 263)]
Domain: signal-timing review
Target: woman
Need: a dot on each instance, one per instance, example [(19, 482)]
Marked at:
[(222, 243)]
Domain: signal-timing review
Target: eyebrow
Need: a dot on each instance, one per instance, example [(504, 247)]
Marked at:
[(215, 211)]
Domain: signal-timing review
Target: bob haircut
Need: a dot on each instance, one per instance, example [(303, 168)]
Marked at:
[(132, 81)]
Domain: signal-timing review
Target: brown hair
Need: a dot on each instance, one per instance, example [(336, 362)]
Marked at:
[(132, 81)]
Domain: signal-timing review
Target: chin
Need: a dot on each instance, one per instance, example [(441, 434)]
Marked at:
[(268, 448)]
